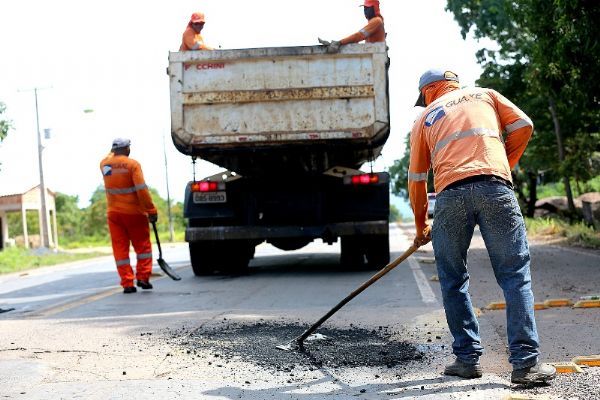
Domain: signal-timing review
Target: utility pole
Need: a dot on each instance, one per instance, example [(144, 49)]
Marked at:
[(45, 241), (171, 233)]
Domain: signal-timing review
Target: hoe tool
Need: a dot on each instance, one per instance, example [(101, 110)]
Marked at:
[(298, 343), (162, 263)]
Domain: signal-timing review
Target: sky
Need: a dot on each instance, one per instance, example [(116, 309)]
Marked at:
[(111, 57)]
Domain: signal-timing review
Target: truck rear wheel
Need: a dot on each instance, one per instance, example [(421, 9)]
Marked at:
[(224, 256), (352, 249), (203, 260), (377, 250)]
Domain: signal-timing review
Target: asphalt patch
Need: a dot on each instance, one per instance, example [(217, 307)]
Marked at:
[(257, 343)]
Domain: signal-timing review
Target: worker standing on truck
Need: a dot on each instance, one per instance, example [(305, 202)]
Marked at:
[(192, 39), (460, 135), (373, 32), (129, 208)]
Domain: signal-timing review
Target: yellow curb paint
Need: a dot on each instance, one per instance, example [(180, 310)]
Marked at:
[(435, 278), (590, 361), (566, 367), (539, 306), (558, 303), (587, 304), (496, 306)]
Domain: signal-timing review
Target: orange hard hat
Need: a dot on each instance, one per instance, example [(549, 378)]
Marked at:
[(197, 17), (371, 3)]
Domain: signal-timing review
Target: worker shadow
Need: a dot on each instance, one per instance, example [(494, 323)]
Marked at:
[(330, 386)]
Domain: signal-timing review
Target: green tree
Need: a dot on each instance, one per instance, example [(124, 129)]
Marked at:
[(5, 124), (547, 62), (68, 217)]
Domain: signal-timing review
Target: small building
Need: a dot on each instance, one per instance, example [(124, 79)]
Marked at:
[(15, 200)]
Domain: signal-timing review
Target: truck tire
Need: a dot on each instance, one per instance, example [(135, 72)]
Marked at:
[(223, 256), (202, 258), (352, 251), (377, 250)]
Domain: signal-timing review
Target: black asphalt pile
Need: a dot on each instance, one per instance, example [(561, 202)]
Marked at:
[(257, 343)]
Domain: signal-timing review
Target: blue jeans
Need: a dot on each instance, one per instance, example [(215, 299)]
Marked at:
[(492, 206)]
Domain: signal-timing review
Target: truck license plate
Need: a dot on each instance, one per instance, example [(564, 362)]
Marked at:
[(210, 197)]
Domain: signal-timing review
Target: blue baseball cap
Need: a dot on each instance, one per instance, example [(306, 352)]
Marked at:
[(120, 143), (430, 76)]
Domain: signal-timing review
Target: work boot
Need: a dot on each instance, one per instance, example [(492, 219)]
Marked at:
[(144, 284), (129, 289), (464, 370), (539, 373)]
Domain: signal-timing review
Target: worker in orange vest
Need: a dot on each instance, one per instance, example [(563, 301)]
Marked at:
[(192, 39), (373, 32), (129, 208), (472, 138)]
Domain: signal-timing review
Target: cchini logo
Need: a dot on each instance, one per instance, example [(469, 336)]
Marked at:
[(434, 116), (107, 170), (203, 66)]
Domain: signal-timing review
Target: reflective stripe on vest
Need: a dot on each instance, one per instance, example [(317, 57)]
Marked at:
[(127, 190), (415, 177), (484, 132), (122, 262), (143, 256), (520, 123)]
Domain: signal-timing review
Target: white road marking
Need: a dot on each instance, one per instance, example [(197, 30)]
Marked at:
[(424, 288)]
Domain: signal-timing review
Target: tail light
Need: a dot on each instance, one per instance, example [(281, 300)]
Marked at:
[(362, 179), (208, 186)]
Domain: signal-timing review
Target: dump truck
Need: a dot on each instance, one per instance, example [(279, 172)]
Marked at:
[(291, 127)]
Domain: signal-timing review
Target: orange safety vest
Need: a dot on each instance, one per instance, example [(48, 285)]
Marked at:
[(373, 32), (126, 190), (459, 135)]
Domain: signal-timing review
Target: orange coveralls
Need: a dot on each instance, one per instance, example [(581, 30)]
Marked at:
[(192, 41), (459, 135), (128, 205)]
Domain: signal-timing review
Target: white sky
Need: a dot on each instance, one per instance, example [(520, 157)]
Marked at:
[(111, 56)]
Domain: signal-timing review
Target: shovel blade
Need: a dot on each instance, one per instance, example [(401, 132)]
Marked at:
[(168, 270)]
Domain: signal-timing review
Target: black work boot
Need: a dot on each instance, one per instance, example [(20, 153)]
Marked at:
[(129, 289), (459, 368), (144, 284), (539, 373)]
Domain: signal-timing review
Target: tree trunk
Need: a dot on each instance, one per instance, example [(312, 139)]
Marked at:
[(561, 155), (532, 194)]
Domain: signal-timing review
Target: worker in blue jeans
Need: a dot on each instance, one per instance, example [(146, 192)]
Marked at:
[(472, 138)]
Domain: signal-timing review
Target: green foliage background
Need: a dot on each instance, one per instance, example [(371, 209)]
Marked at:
[(547, 52)]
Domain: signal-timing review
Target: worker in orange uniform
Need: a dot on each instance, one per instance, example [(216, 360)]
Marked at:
[(472, 138), (373, 32), (192, 39), (129, 208)]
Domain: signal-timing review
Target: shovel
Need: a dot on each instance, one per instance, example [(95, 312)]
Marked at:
[(162, 263), (298, 343)]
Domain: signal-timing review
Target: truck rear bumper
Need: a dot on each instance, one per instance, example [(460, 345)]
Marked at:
[(330, 231)]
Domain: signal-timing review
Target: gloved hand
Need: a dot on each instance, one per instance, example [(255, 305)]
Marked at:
[(152, 218), (332, 47), (423, 238)]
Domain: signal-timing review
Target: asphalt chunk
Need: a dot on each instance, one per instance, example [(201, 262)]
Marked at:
[(257, 343)]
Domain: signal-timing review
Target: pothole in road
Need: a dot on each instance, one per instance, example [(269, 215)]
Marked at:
[(257, 343)]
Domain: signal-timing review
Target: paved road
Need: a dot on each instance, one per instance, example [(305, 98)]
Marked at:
[(74, 334)]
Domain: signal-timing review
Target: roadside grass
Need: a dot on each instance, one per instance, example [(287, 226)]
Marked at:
[(578, 234), (558, 188), (18, 259)]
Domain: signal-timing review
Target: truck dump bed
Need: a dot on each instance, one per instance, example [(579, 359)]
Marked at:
[(281, 110)]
